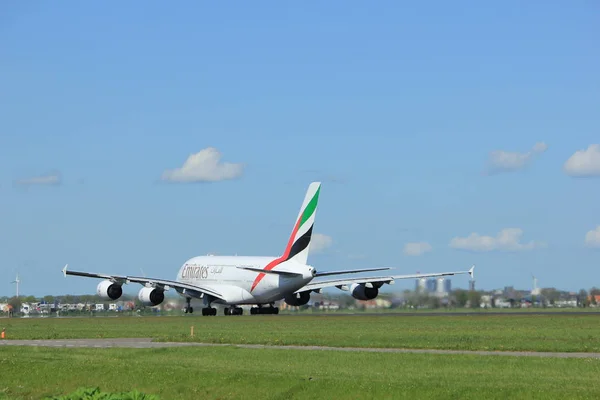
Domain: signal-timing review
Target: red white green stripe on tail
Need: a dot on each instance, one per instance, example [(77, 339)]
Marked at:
[(298, 245)]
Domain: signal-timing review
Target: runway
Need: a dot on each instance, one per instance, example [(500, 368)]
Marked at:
[(144, 343)]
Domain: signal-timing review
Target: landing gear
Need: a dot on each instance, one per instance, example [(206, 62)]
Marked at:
[(234, 311), (209, 311), (188, 307), (264, 310)]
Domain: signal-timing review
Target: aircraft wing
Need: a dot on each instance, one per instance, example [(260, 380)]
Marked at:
[(349, 271), (375, 281), (165, 284)]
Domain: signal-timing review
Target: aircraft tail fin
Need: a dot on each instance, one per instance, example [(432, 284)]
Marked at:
[(299, 242)]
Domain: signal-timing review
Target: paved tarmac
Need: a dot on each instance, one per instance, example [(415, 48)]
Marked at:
[(140, 343)]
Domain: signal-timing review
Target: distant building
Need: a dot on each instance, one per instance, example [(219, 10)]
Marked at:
[(508, 291), (420, 285), (439, 288), (472, 284), (447, 286), (377, 303), (431, 285)]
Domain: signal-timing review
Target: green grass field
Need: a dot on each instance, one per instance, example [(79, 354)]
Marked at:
[(570, 333), (448, 310), (226, 372)]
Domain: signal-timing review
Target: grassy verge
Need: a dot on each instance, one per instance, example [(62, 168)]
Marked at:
[(507, 332), (210, 373), (449, 310), (97, 394)]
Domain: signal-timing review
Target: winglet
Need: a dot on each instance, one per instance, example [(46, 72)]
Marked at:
[(64, 270), (471, 270)]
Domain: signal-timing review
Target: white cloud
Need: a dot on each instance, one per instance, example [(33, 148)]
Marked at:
[(51, 179), (540, 147), (506, 240), (320, 242), (204, 166), (505, 161), (417, 249), (592, 238), (584, 162)]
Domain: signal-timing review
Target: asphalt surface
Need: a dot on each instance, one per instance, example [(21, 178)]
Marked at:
[(140, 343)]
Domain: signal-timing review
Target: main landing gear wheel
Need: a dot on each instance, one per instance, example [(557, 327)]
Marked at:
[(209, 311), (264, 310), (234, 311)]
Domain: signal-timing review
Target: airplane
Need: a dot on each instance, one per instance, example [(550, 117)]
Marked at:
[(233, 281)]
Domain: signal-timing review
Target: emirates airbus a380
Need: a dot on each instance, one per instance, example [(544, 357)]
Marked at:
[(261, 281)]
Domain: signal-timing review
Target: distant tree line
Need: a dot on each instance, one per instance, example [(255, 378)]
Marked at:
[(462, 298), (458, 298), (16, 303)]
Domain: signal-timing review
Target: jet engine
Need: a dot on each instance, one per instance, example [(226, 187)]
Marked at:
[(297, 299), (361, 292), (151, 296), (109, 290)]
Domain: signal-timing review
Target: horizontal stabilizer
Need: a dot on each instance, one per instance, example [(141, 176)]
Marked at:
[(272, 271), (350, 271)]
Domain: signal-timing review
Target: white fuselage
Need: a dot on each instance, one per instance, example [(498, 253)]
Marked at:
[(240, 286)]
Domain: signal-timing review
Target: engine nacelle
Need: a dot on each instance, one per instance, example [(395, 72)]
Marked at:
[(361, 292), (299, 299), (151, 296), (109, 290)]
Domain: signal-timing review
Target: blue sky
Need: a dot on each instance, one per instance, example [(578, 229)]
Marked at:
[(425, 122)]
